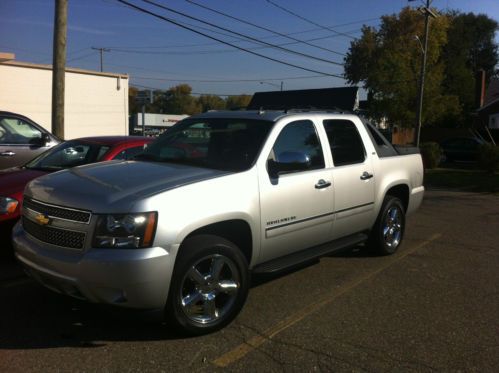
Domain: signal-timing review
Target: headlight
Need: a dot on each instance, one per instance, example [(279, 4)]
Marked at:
[(125, 231), (8, 205)]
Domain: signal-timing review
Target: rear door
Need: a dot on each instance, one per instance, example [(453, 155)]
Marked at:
[(19, 141), (296, 207), (353, 176)]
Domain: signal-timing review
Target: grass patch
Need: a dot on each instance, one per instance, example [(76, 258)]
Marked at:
[(468, 180)]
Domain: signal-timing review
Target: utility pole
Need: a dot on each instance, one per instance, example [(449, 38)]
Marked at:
[(101, 50), (427, 13), (59, 67)]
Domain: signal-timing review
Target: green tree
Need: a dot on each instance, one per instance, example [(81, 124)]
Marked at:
[(175, 100), (237, 102), (387, 62), (470, 48), (211, 102), (133, 106)]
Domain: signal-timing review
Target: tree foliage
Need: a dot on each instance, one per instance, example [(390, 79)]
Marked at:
[(238, 102), (387, 62), (179, 100)]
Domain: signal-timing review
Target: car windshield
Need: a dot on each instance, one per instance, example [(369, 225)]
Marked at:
[(223, 144), (68, 154)]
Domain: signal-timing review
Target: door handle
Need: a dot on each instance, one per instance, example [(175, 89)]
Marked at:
[(321, 184), (366, 175), (7, 154)]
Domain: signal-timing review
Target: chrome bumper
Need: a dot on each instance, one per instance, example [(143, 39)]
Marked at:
[(128, 278)]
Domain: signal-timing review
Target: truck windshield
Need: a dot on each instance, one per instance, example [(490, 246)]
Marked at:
[(223, 144)]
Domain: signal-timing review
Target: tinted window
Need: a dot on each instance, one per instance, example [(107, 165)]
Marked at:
[(345, 142), (223, 144), (299, 137), (16, 131), (68, 154), (129, 153)]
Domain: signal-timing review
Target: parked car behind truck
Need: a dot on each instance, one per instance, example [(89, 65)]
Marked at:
[(71, 153), (21, 139), (178, 232)]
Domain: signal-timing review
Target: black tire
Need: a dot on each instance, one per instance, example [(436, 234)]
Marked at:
[(380, 242), (210, 307)]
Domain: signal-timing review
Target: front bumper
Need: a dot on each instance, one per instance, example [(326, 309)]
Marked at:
[(129, 278)]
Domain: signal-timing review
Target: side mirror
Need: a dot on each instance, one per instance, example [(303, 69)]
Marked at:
[(41, 141), (288, 162)]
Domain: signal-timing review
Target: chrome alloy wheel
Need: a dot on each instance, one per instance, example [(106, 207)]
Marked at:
[(392, 227), (209, 289)]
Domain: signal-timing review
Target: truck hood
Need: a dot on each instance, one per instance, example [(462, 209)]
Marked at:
[(114, 186)]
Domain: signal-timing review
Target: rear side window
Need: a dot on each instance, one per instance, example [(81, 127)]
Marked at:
[(129, 153), (345, 142), (299, 136)]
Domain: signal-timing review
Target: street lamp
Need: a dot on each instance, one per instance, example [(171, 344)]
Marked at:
[(274, 85)]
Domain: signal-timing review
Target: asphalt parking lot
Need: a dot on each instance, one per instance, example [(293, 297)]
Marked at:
[(434, 305)]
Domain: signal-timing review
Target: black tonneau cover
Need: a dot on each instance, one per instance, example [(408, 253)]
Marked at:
[(342, 99)]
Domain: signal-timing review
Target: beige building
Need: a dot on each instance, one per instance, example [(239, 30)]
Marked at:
[(96, 104)]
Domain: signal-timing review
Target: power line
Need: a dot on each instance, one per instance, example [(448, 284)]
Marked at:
[(207, 80), (262, 28), (142, 10), (141, 50), (263, 37), (225, 80), (81, 57), (192, 93), (308, 20), (240, 34)]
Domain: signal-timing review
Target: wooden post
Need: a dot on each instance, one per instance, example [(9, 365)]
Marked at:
[(59, 67)]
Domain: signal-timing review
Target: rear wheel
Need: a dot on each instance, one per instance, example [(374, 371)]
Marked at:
[(388, 231), (209, 286)]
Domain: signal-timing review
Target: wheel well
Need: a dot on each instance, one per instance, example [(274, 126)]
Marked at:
[(401, 192), (235, 231)]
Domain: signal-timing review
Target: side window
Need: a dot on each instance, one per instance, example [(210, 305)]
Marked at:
[(120, 155), (345, 142), (132, 152), (16, 131), (297, 139), (129, 153)]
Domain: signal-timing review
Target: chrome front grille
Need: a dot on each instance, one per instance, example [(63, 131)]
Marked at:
[(55, 236), (56, 225), (58, 212)]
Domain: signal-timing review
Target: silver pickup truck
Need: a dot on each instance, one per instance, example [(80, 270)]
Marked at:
[(217, 197)]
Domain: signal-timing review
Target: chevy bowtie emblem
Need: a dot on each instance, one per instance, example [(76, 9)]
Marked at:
[(42, 219)]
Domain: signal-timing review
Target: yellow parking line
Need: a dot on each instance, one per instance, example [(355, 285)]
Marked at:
[(244, 348)]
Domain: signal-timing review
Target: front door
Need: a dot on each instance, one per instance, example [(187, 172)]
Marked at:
[(296, 207), (19, 142)]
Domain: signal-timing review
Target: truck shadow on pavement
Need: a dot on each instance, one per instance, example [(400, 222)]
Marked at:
[(32, 317)]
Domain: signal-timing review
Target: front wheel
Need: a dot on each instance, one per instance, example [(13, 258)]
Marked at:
[(209, 286), (388, 230)]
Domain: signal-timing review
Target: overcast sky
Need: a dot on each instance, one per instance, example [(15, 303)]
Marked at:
[(158, 54)]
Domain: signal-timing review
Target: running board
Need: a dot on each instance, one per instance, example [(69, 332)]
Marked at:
[(276, 265)]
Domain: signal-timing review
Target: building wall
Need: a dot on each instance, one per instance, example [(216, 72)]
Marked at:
[(95, 104)]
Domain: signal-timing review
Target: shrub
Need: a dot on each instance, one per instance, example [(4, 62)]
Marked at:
[(489, 157), (431, 153)]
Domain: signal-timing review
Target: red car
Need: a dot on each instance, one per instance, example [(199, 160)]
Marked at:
[(68, 154)]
